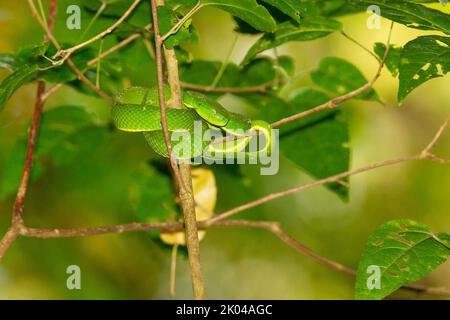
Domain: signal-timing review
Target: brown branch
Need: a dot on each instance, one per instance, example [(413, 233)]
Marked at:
[(250, 89), (333, 103), (33, 133), (118, 46), (303, 187), (426, 151), (178, 25), (361, 46), (422, 155), (10, 236), (182, 174), (70, 63), (31, 146), (162, 101), (66, 53), (270, 226)]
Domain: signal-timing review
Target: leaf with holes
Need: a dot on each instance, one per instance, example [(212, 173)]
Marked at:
[(423, 59), (393, 58), (406, 12), (167, 20), (397, 253), (340, 77)]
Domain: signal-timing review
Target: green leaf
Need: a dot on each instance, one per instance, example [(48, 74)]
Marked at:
[(14, 81), (248, 10), (257, 72), (340, 77), (8, 61), (141, 16), (404, 251), (317, 144), (292, 8), (408, 13), (64, 73), (290, 31), (320, 143), (167, 19), (287, 64), (423, 59), (67, 134), (151, 195), (203, 72), (393, 58)]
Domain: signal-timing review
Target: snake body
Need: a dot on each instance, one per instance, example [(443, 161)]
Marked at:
[(136, 109)]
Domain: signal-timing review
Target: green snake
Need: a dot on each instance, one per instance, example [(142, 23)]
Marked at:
[(136, 109)]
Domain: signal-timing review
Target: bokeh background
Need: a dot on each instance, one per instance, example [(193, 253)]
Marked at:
[(237, 263)]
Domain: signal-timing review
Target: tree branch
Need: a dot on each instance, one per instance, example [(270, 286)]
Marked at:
[(66, 53), (250, 89), (422, 155), (70, 63), (183, 173), (33, 133), (270, 226), (117, 46), (178, 25), (333, 103)]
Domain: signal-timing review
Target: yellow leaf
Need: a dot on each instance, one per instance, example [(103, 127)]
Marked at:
[(205, 195)]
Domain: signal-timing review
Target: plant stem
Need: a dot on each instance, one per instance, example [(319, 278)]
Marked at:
[(224, 65), (94, 18), (182, 174)]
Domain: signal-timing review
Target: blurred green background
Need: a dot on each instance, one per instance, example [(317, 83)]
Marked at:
[(237, 263)]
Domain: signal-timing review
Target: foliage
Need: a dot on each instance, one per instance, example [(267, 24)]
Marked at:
[(318, 145)]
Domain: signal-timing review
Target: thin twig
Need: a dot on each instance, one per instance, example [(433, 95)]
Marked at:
[(422, 155), (333, 103), (19, 203), (361, 46), (94, 18), (33, 133), (70, 63), (239, 90), (66, 53), (10, 236), (224, 64), (303, 187), (433, 142), (162, 100), (271, 226), (118, 46), (182, 21), (173, 270), (182, 174)]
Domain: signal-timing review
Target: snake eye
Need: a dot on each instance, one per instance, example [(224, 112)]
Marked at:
[(214, 111)]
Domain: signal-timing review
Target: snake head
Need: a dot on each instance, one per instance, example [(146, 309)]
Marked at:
[(208, 109)]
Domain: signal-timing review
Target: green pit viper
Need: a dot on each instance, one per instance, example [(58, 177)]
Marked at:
[(136, 109)]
